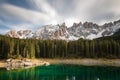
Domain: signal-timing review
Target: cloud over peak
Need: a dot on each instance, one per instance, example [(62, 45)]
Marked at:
[(43, 12)]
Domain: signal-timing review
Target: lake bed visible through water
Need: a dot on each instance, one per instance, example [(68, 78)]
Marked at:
[(62, 72)]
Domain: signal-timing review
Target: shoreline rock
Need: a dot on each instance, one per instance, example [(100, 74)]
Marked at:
[(23, 63), (84, 62)]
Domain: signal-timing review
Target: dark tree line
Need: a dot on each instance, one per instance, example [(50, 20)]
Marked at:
[(30, 48)]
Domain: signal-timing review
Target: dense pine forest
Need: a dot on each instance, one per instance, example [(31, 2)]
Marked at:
[(106, 47)]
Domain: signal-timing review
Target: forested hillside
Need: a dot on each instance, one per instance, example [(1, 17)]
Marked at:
[(28, 48)]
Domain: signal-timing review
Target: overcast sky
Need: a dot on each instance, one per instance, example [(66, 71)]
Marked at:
[(30, 14)]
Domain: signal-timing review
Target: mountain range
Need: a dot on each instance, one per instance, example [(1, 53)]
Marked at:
[(86, 30)]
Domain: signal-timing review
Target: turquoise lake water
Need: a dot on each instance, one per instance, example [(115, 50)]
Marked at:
[(62, 72)]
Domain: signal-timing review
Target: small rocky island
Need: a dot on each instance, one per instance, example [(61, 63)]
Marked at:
[(23, 63)]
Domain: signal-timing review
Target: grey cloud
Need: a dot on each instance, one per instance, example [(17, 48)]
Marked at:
[(102, 10), (88, 10), (57, 11), (63, 6)]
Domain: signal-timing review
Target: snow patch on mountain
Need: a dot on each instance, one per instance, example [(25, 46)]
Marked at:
[(87, 30)]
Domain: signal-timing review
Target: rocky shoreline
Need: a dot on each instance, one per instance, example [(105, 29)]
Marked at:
[(23, 63), (10, 64)]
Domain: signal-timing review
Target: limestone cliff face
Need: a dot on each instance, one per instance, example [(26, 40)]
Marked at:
[(23, 34), (12, 33), (87, 30)]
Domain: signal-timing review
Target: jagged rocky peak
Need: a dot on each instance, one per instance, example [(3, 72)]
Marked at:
[(106, 25), (12, 33), (111, 24), (24, 32), (77, 24), (85, 25), (86, 30), (46, 32), (62, 25), (89, 30), (90, 25), (116, 22), (51, 32), (19, 34), (62, 31), (62, 28)]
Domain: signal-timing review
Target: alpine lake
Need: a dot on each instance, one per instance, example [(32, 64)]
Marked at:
[(62, 72)]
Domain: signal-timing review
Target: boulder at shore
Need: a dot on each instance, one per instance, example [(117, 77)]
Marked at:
[(23, 63)]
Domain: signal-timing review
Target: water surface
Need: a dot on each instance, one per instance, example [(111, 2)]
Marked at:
[(62, 72)]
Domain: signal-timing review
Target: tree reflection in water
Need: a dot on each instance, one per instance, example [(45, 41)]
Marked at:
[(62, 72)]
